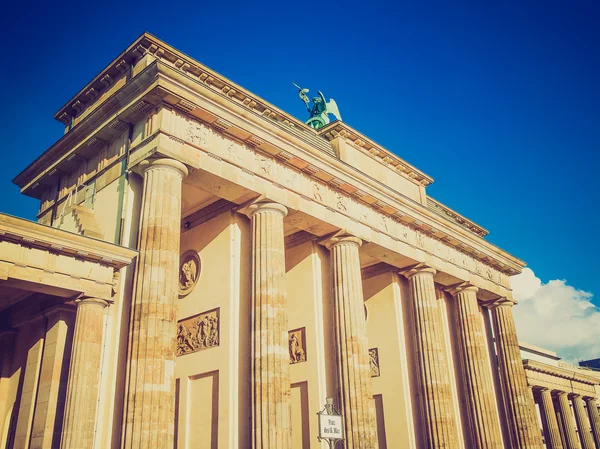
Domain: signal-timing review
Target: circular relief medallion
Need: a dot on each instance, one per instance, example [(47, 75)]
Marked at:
[(189, 272)]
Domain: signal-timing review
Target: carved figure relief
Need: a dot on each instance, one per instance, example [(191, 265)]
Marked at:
[(297, 346), (189, 272), (341, 202), (317, 191), (374, 362), (198, 332)]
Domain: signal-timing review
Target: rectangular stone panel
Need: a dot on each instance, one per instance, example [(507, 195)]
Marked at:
[(300, 416), (203, 412)]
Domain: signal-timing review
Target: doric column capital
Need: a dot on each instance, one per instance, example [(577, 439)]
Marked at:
[(267, 206), (559, 393), (501, 302), (590, 399), (155, 163), (454, 290), (91, 301), (340, 238), (418, 269)]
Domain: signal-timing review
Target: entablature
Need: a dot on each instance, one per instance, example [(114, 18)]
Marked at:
[(39, 258)]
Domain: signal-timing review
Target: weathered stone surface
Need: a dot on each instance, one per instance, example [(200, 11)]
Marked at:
[(84, 374), (474, 360), (550, 423), (150, 402), (271, 414), (353, 365), (438, 427), (592, 406), (520, 408), (568, 421), (583, 423)]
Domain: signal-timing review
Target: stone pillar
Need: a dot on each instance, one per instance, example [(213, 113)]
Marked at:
[(149, 416), (434, 391), (583, 424), (518, 401), (549, 421), (271, 394), (592, 407), (352, 352), (50, 403), (7, 354), (35, 329), (568, 422), (84, 375), (475, 363)]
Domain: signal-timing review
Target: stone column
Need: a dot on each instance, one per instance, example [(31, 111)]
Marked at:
[(434, 391), (583, 424), (271, 412), (54, 374), (568, 422), (352, 352), (475, 363), (84, 375), (592, 407), (518, 401), (149, 416), (549, 420)]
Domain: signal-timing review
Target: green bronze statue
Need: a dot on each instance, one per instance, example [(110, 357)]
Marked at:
[(320, 109)]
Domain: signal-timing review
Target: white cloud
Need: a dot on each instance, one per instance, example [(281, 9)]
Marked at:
[(556, 316)]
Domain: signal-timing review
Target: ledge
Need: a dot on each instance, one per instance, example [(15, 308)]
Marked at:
[(31, 234), (559, 372)]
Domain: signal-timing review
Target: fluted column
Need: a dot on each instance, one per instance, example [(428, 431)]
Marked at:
[(583, 423), (149, 417), (84, 375), (439, 426), (475, 363), (520, 409), (549, 421), (568, 421), (271, 412), (352, 352), (592, 407)]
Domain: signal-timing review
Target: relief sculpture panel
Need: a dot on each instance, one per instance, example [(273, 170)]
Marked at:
[(198, 332), (297, 345), (374, 362)]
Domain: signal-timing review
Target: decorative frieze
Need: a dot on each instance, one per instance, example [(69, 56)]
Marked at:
[(297, 344), (399, 225), (374, 362), (198, 332)]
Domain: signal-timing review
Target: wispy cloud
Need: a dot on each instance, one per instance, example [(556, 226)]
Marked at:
[(556, 316)]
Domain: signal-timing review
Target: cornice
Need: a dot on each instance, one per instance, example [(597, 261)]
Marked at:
[(36, 235), (540, 367), (376, 151), (449, 214)]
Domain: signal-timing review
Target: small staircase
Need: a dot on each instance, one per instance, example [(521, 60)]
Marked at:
[(86, 222)]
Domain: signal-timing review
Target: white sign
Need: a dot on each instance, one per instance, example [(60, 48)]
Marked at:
[(330, 426)]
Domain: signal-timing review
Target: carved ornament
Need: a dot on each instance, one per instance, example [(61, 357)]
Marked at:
[(297, 346), (198, 332), (189, 272)]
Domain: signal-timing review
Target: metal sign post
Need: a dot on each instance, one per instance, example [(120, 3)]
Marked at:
[(331, 424)]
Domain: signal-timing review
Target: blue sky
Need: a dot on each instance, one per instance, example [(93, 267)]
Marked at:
[(499, 102)]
